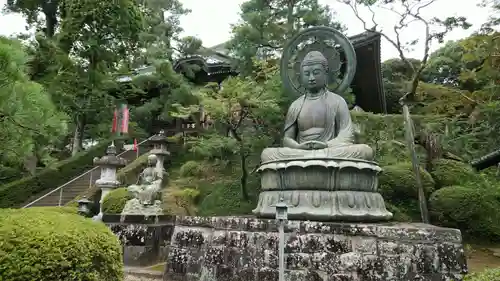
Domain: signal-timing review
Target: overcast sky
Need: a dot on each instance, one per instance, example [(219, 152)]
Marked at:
[(211, 21)]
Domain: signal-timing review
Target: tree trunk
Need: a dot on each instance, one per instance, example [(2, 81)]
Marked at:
[(30, 164), (290, 17), (50, 9), (78, 136), (244, 175)]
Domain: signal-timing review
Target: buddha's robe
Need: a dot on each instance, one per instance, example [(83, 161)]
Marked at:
[(325, 118)]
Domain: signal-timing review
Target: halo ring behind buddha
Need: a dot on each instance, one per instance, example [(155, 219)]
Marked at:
[(328, 41)]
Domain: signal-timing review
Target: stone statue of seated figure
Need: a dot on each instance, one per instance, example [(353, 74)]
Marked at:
[(318, 124), (148, 183)]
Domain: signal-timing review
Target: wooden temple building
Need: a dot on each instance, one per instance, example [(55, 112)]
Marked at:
[(215, 65)]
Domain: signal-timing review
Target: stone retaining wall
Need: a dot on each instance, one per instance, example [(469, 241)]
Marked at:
[(232, 248), (246, 249)]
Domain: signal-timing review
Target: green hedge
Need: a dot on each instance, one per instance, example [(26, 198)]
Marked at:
[(115, 200), (18, 192), (472, 210), (9, 174), (448, 172), (225, 199), (49, 244), (487, 275), (398, 183)]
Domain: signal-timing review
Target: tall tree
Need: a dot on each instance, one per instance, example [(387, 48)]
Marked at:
[(161, 33), (266, 25), (27, 113), (92, 39), (247, 118)]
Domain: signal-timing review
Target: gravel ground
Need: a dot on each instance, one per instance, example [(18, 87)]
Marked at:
[(129, 277)]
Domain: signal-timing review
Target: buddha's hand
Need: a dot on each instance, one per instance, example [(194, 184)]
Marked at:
[(312, 145)]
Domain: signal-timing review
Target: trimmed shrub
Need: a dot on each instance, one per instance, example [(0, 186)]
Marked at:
[(48, 245), (449, 172), (397, 183), (191, 169), (487, 275), (115, 200), (9, 174), (62, 209), (398, 186), (226, 199), (18, 192), (472, 210)]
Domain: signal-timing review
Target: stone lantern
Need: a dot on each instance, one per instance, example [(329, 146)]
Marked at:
[(108, 181), (83, 206), (160, 142)]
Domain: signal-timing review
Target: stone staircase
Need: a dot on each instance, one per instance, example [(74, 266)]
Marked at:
[(78, 185)]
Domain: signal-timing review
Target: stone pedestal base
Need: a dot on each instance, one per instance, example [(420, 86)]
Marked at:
[(245, 249), (145, 240), (134, 207), (325, 205), (330, 189)]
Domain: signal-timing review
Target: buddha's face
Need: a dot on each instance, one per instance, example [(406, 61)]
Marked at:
[(313, 77)]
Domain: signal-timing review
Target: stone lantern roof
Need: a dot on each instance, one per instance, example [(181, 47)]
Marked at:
[(159, 138), (110, 159), (159, 142)]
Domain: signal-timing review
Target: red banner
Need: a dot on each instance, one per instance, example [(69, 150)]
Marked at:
[(125, 118)]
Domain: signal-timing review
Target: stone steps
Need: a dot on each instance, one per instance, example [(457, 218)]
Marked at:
[(79, 185)]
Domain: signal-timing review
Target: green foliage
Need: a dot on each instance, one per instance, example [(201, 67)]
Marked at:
[(183, 199), (101, 30), (161, 29), (26, 110), (168, 92), (448, 172), (442, 100), (53, 245), (486, 275), (191, 169), (248, 118), (396, 70), (226, 198), (398, 186), (115, 200), (445, 65), (17, 192), (62, 209), (266, 26), (9, 174), (385, 133), (472, 210)]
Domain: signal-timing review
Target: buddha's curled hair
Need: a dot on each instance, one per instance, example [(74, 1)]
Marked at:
[(314, 57)]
